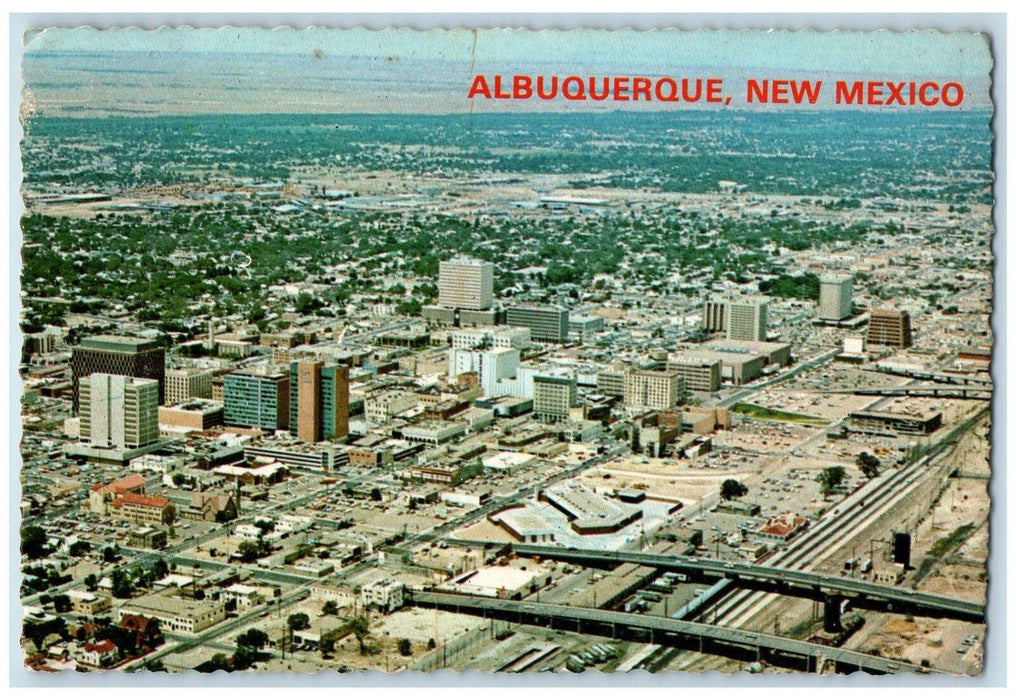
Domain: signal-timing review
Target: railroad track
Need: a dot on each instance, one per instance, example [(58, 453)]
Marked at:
[(856, 513)]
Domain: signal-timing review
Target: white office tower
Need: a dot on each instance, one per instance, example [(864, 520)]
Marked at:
[(464, 283), (652, 389), (746, 318), (491, 366), (835, 301), (118, 412)]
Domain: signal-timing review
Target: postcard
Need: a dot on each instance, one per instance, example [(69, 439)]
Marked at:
[(505, 351)]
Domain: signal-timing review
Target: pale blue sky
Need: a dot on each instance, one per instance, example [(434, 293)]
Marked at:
[(86, 71), (916, 52)]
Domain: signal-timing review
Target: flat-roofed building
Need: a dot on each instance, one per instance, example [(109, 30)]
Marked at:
[(584, 326), (610, 383), (195, 414), (465, 283), (835, 301), (742, 361), (714, 315), (649, 389), (886, 423), (186, 383), (889, 327), (434, 432), (386, 595), (148, 537), (118, 412), (257, 399), (379, 408), (700, 372), (89, 604), (524, 524), (180, 615), (588, 512), (553, 397), (319, 401), (491, 366), (490, 337), (747, 318), (118, 355), (546, 323)]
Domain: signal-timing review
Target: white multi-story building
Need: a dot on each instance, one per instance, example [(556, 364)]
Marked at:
[(464, 283), (379, 408), (835, 297), (492, 367), (187, 383), (491, 336), (118, 412), (386, 594), (553, 397), (747, 318), (652, 389)]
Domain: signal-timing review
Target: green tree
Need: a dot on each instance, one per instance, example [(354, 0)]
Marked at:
[(298, 621), (91, 582), (155, 666), (79, 548), (62, 603), (122, 587), (33, 542), (330, 608), (405, 647), (830, 478), (160, 569), (869, 464), (253, 638), (249, 551), (731, 489)]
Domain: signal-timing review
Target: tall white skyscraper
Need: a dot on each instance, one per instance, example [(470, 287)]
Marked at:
[(464, 283), (118, 412), (835, 297), (747, 318)]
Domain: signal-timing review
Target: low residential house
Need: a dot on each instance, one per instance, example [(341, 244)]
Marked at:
[(100, 654), (147, 630)]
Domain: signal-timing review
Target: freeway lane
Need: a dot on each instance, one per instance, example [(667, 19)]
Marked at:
[(667, 631), (904, 600)]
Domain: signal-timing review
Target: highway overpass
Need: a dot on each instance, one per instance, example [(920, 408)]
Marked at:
[(831, 590), (651, 629)]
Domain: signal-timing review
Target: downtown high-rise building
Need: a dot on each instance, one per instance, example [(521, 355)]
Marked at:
[(835, 301), (465, 283), (256, 399), (889, 327), (546, 323), (318, 400), (553, 397), (747, 318), (119, 355), (118, 412), (184, 384), (653, 389)]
